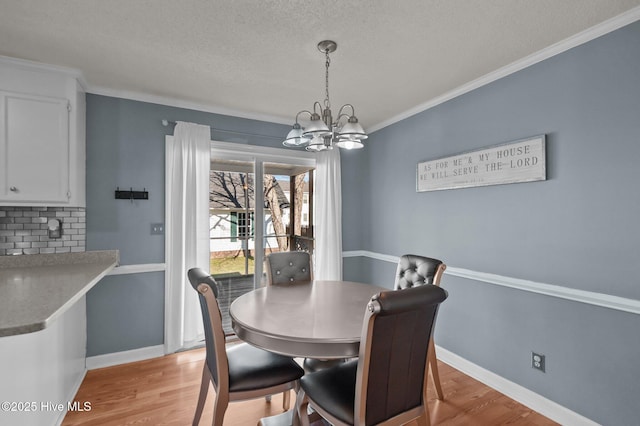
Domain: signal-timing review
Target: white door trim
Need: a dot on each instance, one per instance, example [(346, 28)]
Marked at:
[(228, 151)]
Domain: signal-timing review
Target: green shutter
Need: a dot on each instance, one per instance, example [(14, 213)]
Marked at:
[(252, 228), (234, 227)]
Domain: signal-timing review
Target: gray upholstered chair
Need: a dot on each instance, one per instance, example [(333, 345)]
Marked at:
[(288, 267), (241, 371), (387, 384), (416, 271)]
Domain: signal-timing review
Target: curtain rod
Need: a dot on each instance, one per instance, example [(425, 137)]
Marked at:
[(166, 123)]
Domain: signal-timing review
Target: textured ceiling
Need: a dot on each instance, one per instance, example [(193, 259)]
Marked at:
[(259, 58)]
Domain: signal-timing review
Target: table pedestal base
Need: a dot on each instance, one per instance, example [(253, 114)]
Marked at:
[(286, 419)]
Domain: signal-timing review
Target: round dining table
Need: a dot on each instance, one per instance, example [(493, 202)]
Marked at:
[(312, 319)]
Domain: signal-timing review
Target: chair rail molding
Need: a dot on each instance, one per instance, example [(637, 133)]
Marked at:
[(589, 297), (138, 269)]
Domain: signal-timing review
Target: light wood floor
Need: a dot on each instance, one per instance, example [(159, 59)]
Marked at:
[(164, 391)]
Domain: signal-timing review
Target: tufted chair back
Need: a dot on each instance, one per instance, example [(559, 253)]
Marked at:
[(288, 267), (418, 270)]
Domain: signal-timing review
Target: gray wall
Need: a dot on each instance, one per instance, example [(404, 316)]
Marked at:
[(578, 229), (125, 148)]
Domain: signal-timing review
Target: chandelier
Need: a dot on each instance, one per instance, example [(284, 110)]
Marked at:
[(322, 132)]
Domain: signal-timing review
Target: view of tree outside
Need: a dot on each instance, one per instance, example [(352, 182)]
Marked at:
[(232, 202), (273, 202), (227, 189), (273, 187), (299, 197)]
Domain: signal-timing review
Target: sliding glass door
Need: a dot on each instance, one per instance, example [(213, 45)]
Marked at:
[(288, 192), (256, 206), (232, 218)]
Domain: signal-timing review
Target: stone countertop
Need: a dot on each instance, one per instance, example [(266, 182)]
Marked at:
[(36, 289)]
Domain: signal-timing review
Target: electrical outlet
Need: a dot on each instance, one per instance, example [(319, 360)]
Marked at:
[(157, 229), (537, 361)]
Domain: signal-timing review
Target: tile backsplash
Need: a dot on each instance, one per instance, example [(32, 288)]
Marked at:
[(23, 230)]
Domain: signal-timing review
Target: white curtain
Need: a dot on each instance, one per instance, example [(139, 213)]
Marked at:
[(328, 213), (188, 161)]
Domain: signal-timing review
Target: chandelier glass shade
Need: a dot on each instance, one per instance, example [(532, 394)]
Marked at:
[(322, 132)]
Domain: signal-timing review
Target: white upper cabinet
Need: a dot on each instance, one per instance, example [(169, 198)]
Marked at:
[(42, 136), (35, 146)]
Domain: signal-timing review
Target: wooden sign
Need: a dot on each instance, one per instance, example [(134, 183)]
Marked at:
[(519, 161)]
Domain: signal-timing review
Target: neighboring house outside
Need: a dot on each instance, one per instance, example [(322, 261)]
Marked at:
[(305, 203), (231, 205)]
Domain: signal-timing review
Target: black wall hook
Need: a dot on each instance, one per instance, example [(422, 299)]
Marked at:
[(132, 195)]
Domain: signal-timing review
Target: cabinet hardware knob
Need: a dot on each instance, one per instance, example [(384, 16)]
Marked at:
[(13, 189)]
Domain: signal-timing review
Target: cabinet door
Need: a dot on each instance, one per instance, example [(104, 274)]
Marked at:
[(35, 149)]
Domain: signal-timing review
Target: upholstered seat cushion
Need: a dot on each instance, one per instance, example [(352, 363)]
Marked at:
[(252, 368), (333, 390)]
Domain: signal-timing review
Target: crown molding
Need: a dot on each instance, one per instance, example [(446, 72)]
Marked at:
[(39, 66), (585, 36), (179, 103), (578, 39)]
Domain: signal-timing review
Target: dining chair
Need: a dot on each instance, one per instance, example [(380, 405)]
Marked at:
[(286, 267), (241, 371), (414, 271), (387, 384)]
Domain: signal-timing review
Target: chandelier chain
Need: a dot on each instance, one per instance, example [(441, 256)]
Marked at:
[(327, 104)]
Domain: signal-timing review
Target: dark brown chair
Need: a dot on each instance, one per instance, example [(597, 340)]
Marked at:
[(288, 267), (242, 371), (387, 384), (415, 271)]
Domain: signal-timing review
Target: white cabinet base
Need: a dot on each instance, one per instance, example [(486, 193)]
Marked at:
[(44, 369)]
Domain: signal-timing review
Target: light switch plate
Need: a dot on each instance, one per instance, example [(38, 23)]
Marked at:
[(157, 229)]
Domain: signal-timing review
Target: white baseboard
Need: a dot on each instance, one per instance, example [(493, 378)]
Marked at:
[(536, 402), (72, 396), (117, 358)]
